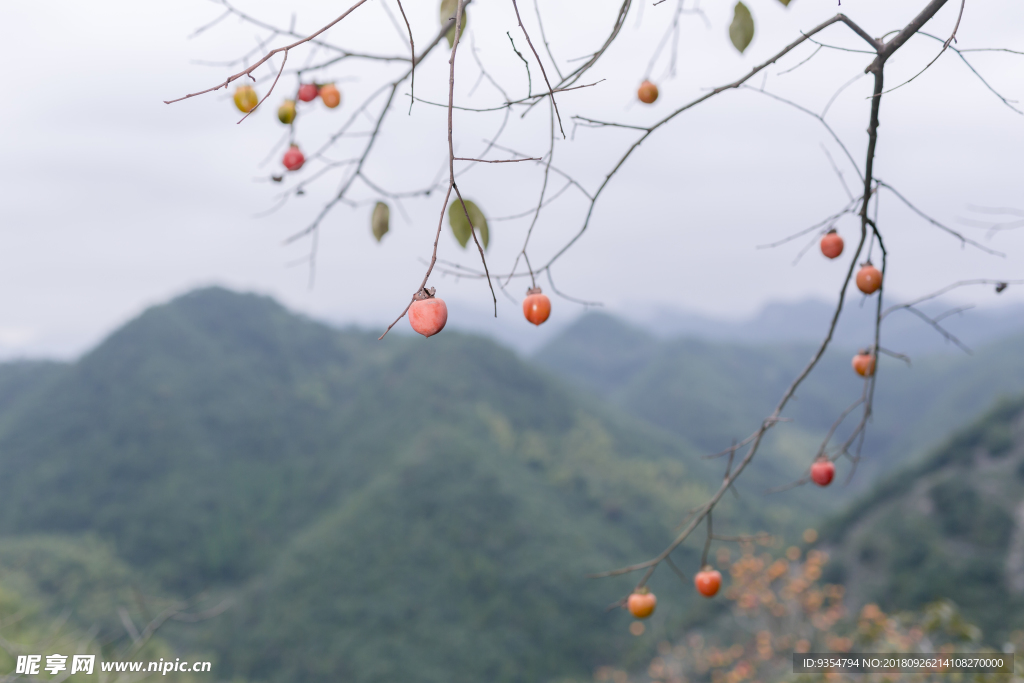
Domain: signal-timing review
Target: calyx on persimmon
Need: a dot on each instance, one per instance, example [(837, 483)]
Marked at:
[(427, 314), (641, 603), (536, 306)]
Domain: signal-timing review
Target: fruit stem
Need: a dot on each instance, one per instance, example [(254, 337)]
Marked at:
[(424, 294)]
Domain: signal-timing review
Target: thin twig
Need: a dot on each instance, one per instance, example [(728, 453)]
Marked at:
[(412, 57), (541, 65), (249, 70)]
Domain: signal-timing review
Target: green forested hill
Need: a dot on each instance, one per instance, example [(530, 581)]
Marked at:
[(951, 526), (419, 509), (72, 595), (21, 380), (712, 392), (407, 509)]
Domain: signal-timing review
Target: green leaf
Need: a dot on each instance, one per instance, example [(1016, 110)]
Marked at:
[(461, 227), (381, 220), (741, 30), (449, 9)]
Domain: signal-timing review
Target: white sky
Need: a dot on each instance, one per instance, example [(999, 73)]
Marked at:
[(113, 201)]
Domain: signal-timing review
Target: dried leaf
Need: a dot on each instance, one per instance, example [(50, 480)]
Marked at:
[(381, 220)]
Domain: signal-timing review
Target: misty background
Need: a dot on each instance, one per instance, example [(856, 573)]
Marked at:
[(114, 201)]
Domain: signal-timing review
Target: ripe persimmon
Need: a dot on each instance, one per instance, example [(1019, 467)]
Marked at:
[(245, 98), (308, 92), (330, 95), (708, 581), (286, 112), (293, 158), (536, 306), (641, 603), (822, 471), (832, 244), (864, 363), (647, 93), (428, 314), (869, 278)]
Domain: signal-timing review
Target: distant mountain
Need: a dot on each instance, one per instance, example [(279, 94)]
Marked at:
[(509, 328), (21, 379), (806, 321), (798, 322), (420, 509), (713, 392), (951, 526)]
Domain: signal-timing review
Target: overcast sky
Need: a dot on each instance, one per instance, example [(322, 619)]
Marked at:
[(113, 201)]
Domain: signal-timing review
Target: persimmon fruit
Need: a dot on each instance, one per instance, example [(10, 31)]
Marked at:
[(293, 158), (246, 98), (832, 244), (822, 472), (308, 92), (641, 603), (286, 112), (869, 278), (864, 364), (428, 314), (647, 93), (536, 306), (708, 581), (330, 95)]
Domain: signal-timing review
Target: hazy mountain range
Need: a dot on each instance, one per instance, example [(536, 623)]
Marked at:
[(775, 323), (427, 509)]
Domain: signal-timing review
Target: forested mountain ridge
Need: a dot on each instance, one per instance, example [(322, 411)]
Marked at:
[(713, 392), (788, 322), (950, 526), (416, 508), (423, 508), (21, 380)]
